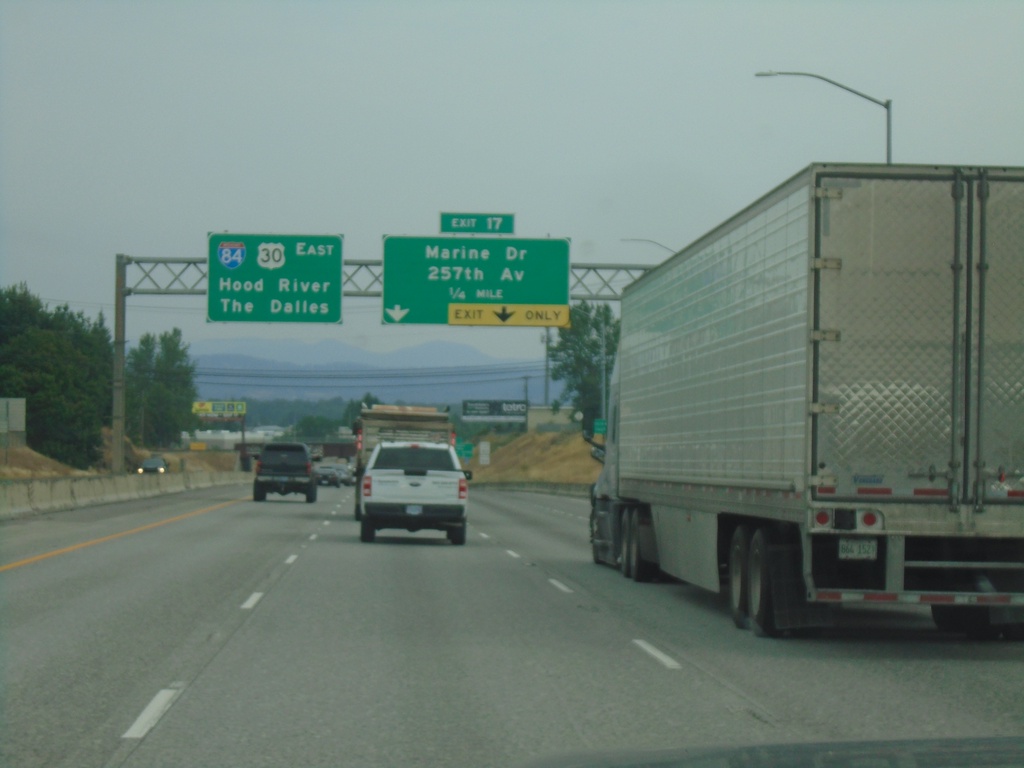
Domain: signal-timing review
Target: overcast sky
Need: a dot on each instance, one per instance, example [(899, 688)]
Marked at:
[(138, 127)]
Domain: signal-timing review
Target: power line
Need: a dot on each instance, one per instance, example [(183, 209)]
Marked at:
[(513, 371)]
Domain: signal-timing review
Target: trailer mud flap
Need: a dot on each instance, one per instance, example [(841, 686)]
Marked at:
[(789, 595)]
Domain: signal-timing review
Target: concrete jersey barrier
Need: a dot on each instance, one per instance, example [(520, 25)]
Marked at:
[(25, 497)]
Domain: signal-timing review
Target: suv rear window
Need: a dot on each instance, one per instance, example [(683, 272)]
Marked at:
[(285, 455), (407, 457)]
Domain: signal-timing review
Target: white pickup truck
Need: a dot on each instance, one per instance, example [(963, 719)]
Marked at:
[(415, 486)]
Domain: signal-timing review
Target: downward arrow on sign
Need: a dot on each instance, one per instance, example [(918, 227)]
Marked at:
[(504, 315), (397, 313)]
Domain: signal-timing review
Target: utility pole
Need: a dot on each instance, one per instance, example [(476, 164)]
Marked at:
[(117, 419), (604, 365), (547, 357), (526, 397)]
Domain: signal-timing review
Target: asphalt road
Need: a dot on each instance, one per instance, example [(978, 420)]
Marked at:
[(203, 629)]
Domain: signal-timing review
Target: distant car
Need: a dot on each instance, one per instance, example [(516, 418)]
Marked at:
[(152, 464), (414, 486), (328, 474), (284, 468), (345, 473)]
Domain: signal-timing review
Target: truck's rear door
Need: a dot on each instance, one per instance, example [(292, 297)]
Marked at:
[(919, 325)]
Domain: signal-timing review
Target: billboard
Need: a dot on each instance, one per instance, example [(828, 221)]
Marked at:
[(509, 411)]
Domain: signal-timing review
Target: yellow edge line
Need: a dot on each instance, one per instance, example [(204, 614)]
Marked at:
[(112, 537)]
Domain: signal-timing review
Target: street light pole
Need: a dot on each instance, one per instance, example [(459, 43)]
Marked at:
[(886, 104), (646, 240)]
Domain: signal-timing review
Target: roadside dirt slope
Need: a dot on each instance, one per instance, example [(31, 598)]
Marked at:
[(538, 457), (26, 464)]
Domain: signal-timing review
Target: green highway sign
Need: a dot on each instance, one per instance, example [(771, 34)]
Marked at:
[(274, 278), (479, 223), (476, 281)]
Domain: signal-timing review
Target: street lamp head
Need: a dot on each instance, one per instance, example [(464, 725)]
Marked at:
[(769, 73), (645, 240)]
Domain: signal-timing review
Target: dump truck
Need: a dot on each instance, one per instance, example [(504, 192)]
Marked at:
[(820, 403), (410, 423)]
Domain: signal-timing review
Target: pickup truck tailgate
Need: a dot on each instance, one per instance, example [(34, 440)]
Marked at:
[(394, 486)]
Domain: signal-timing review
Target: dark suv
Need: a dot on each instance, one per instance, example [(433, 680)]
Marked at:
[(284, 468)]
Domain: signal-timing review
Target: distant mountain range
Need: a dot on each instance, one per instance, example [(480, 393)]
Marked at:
[(433, 372)]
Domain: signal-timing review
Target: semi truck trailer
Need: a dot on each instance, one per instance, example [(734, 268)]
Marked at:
[(820, 402)]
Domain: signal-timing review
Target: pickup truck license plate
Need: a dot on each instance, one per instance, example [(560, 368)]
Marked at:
[(858, 549), (414, 509)]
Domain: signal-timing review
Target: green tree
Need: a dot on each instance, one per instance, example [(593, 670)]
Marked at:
[(580, 355), (139, 375), (355, 407), (61, 363), (316, 428), (160, 389)]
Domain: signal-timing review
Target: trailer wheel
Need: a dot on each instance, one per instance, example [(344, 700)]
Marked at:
[(971, 620), (739, 547), (643, 570), (759, 584), (625, 545), (946, 618), (595, 550), (1013, 632), (977, 624), (259, 493), (457, 536), (367, 533)]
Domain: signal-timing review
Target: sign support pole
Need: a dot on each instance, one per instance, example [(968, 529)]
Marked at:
[(117, 419)]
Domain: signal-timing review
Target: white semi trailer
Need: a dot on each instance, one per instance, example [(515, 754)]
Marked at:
[(821, 402)]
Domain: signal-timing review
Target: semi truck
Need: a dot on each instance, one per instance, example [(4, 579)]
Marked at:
[(820, 403), (410, 423)]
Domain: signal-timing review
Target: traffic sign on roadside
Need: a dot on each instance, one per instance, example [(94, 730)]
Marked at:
[(479, 223), (274, 278), (218, 408), (476, 281)]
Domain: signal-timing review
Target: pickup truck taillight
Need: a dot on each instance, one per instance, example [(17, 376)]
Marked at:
[(309, 468), (463, 488), (367, 485)]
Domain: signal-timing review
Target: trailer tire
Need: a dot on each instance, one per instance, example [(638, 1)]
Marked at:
[(946, 618), (973, 621), (1014, 632), (625, 545), (759, 584), (457, 536), (367, 533), (642, 570), (739, 602), (259, 493), (978, 624)]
